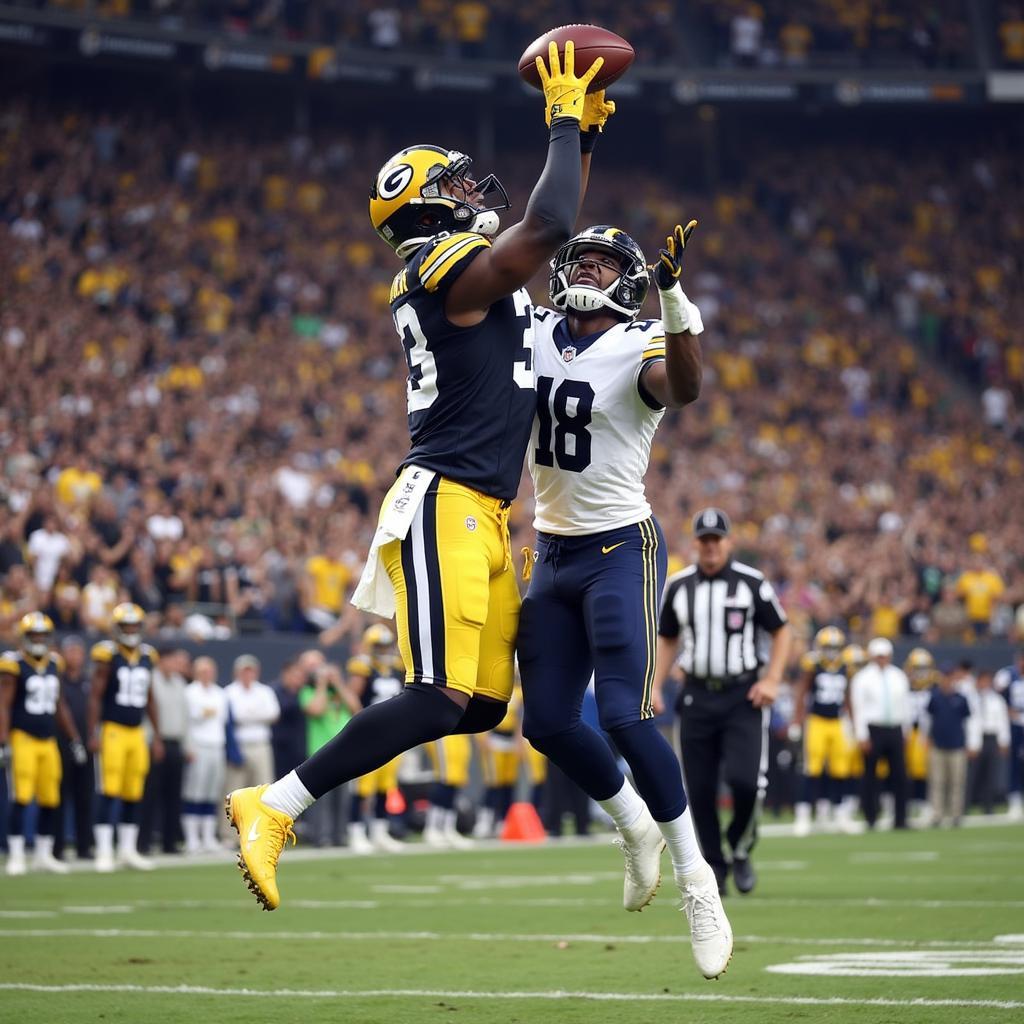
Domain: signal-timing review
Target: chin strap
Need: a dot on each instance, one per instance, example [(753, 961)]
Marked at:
[(587, 299)]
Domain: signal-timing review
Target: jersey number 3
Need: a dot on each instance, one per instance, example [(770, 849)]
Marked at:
[(570, 426)]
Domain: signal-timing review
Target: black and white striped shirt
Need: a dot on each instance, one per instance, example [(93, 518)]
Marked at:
[(724, 620)]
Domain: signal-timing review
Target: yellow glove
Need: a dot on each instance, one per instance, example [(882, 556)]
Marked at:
[(596, 111), (564, 93), (670, 259)]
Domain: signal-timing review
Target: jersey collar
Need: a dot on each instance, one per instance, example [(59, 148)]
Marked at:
[(564, 340)]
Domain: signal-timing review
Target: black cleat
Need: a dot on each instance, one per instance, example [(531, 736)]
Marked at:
[(743, 874)]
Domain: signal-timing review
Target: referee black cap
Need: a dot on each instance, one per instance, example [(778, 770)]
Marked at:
[(711, 521)]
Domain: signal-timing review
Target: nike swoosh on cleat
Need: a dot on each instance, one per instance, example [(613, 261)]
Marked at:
[(604, 550), (253, 834)]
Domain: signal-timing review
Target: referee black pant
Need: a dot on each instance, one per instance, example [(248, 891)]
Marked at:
[(723, 738), (887, 745), (161, 802)]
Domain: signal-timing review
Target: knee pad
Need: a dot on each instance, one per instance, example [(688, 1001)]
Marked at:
[(481, 715)]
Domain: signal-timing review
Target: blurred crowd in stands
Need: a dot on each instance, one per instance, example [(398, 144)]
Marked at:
[(205, 401), (739, 33)]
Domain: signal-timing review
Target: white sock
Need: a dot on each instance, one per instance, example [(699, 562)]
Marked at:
[(450, 817), (625, 808), (16, 847), (208, 828), (435, 818), (288, 795), (127, 837), (682, 843), (44, 847), (190, 826), (104, 840)]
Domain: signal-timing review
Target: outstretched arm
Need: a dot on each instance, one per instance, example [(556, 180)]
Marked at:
[(518, 253), (676, 381)]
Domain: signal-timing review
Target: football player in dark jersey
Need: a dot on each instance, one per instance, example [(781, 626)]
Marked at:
[(440, 561), (375, 675), (31, 709), (121, 695), (821, 711)]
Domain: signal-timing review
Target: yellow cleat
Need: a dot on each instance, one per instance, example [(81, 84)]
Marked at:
[(262, 833)]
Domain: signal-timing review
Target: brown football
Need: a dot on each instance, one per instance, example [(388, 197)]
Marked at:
[(590, 42)]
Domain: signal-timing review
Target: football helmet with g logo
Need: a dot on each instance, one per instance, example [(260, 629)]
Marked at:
[(424, 190), (128, 620), (829, 642), (36, 632), (624, 295)]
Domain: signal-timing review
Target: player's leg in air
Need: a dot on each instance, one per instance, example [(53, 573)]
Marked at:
[(440, 561), (611, 627)]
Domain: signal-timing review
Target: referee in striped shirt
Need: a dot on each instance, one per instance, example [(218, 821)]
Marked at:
[(733, 640)]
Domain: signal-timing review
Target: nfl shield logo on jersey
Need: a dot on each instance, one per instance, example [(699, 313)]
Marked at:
[(568, 353), (734, 620)]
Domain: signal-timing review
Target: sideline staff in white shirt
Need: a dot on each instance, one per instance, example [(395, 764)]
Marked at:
[(880, 706), (254, 709)]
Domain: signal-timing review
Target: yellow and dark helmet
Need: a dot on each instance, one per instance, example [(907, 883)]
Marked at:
[(829, 642), (854, 657), (920, 668), (378, 635), (36, 632), (128, 621), (424, 190)]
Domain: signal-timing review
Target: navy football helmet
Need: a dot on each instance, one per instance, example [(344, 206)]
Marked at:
[(624, 295)]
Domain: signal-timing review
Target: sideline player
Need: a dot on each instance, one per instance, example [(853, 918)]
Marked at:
[(604, 380), (923, 675), (31, 708), (373, 676), (440, 560), (821, 711), (120, 696)]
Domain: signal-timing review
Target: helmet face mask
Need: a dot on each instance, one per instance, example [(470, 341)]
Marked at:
[(625, 295), (424, 190), (36, 631), (128, 621)]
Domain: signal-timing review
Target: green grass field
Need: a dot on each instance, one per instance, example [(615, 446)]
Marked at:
[(909, 927)]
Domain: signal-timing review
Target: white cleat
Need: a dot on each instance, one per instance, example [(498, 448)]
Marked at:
[(641, 845), (382, 840), (802, 822), (105, 863), (15, 866), (133, 859), (358, 842), (710, 931), (435, 837), (455, 840), (47, 862)]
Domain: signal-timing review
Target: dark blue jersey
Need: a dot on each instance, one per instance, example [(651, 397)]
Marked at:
[(131, 675), (36, 692), (470, 390)]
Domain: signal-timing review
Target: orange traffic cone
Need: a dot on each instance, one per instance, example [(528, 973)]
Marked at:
[(522, 825), (395, 802)]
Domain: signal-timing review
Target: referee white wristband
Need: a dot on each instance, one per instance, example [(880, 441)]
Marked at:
[(678, 313)]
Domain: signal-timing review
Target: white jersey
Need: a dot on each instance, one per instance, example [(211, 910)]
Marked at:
[(594, 425)]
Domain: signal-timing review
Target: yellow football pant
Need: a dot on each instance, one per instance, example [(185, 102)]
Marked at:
[(123, 762), (456, 593), (451, 756), (35, 769), (383, 780), (826, 742)]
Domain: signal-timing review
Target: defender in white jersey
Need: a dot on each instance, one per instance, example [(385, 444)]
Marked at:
[(603, 381)]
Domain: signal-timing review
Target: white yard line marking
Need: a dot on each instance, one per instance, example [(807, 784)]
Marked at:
[(28, 913), (880, 857), (84, 908), (422, 890), (908, 963), (951, 945), (651, 997)]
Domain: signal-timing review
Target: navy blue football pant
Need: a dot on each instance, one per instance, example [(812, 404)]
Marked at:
[(592, 609)]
